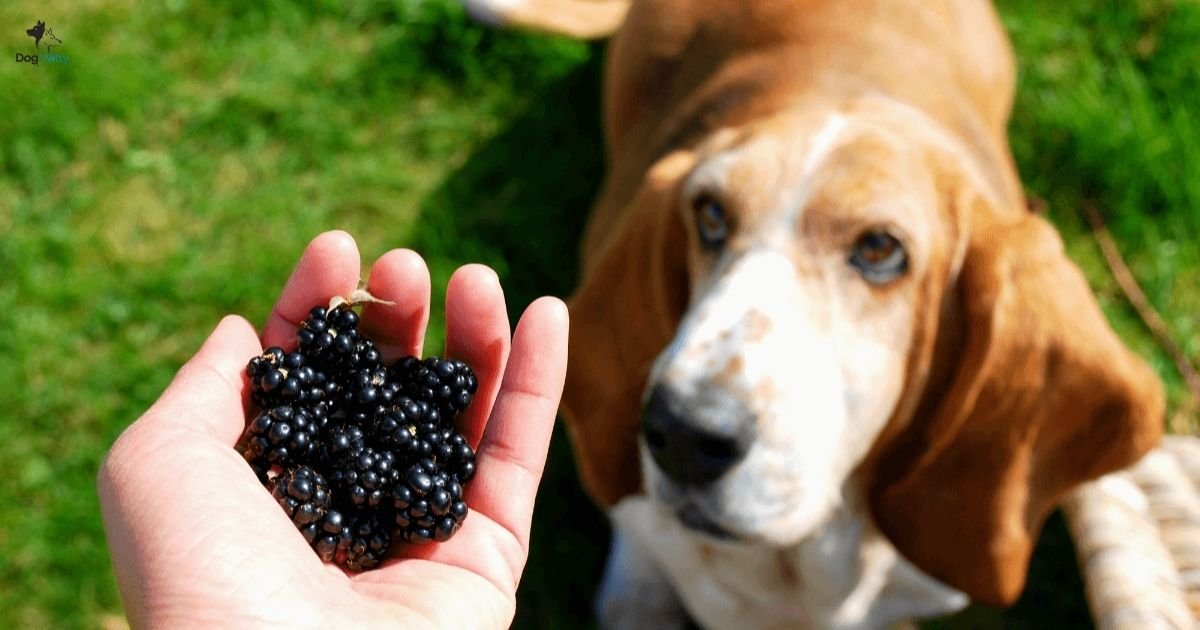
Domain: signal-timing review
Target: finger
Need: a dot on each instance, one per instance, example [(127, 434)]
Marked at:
[(328, 267), (209, 391), (512, 453), (398, 276), (477, 332)]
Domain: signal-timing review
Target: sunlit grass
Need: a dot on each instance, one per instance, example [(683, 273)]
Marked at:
[(1105, 114)]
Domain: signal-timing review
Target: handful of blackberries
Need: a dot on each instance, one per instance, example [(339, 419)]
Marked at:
[(357, 452)]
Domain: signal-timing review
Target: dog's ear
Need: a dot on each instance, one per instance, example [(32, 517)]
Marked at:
[(1036, 395), (630, 299)]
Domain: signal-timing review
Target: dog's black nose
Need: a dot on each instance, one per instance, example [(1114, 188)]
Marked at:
[(687, 451)]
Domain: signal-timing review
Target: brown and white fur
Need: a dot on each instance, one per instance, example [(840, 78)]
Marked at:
[(889, 444)]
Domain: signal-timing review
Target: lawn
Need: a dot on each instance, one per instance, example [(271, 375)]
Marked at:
[(173, 169)]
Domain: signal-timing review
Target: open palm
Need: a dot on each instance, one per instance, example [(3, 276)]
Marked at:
[(196, 540)]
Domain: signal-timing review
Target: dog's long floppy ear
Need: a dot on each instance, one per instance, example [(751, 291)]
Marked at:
[(1040, 396), (631, 297)]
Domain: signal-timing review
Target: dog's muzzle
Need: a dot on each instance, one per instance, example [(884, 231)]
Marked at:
[(691, 448)]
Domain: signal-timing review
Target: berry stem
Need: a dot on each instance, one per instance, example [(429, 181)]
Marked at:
[(356, 297)]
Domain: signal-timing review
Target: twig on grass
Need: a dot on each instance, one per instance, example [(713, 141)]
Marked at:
[(1149, 316)]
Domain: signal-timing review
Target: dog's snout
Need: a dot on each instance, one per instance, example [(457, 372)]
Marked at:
[(688, 451)]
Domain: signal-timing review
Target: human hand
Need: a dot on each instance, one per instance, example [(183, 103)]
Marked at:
[(196, 540)]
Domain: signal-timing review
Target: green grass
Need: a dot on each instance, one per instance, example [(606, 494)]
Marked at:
[(1105, 113), (172, 171)]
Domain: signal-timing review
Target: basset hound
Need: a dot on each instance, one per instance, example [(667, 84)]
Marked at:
[(826, 369)]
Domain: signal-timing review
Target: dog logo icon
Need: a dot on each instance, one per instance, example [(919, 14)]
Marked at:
[(40, 31), (43, 34)]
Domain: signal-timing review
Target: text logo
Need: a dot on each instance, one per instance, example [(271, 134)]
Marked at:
[(43, 34)]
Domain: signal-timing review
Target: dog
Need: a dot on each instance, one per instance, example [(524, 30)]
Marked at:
[(38, 31), (826, 369), (51, 37)]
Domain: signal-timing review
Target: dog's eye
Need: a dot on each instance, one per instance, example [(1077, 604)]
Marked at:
[(879, 257), (711, 222)]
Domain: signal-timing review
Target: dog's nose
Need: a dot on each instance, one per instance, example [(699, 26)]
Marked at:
[(689, 453)]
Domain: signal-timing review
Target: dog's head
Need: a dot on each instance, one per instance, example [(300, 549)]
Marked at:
[(816, 300)]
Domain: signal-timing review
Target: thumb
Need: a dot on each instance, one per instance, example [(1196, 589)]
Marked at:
[(208, 392)]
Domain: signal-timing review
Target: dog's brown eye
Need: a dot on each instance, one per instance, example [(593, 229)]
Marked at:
[(879, 257), (711, 222)]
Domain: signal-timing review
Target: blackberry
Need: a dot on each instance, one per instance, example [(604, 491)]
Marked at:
[(342, 442), (366, 356), (369, 541), (303, 495), (328, 535), (284, 435), (361, 452), (405, 428), (270, 359), (404, 369), (314, 335), (457, 457), (278, 378), (448, 384), (369, 391), (428, 504), (366, 478), (330, 337)]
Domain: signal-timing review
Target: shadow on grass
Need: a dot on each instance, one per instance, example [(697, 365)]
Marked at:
[(519, 204)]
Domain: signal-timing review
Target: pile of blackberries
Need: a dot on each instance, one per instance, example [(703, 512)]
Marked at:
[(358, 452)]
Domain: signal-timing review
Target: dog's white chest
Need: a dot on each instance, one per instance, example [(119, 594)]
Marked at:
[(845, 576)]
